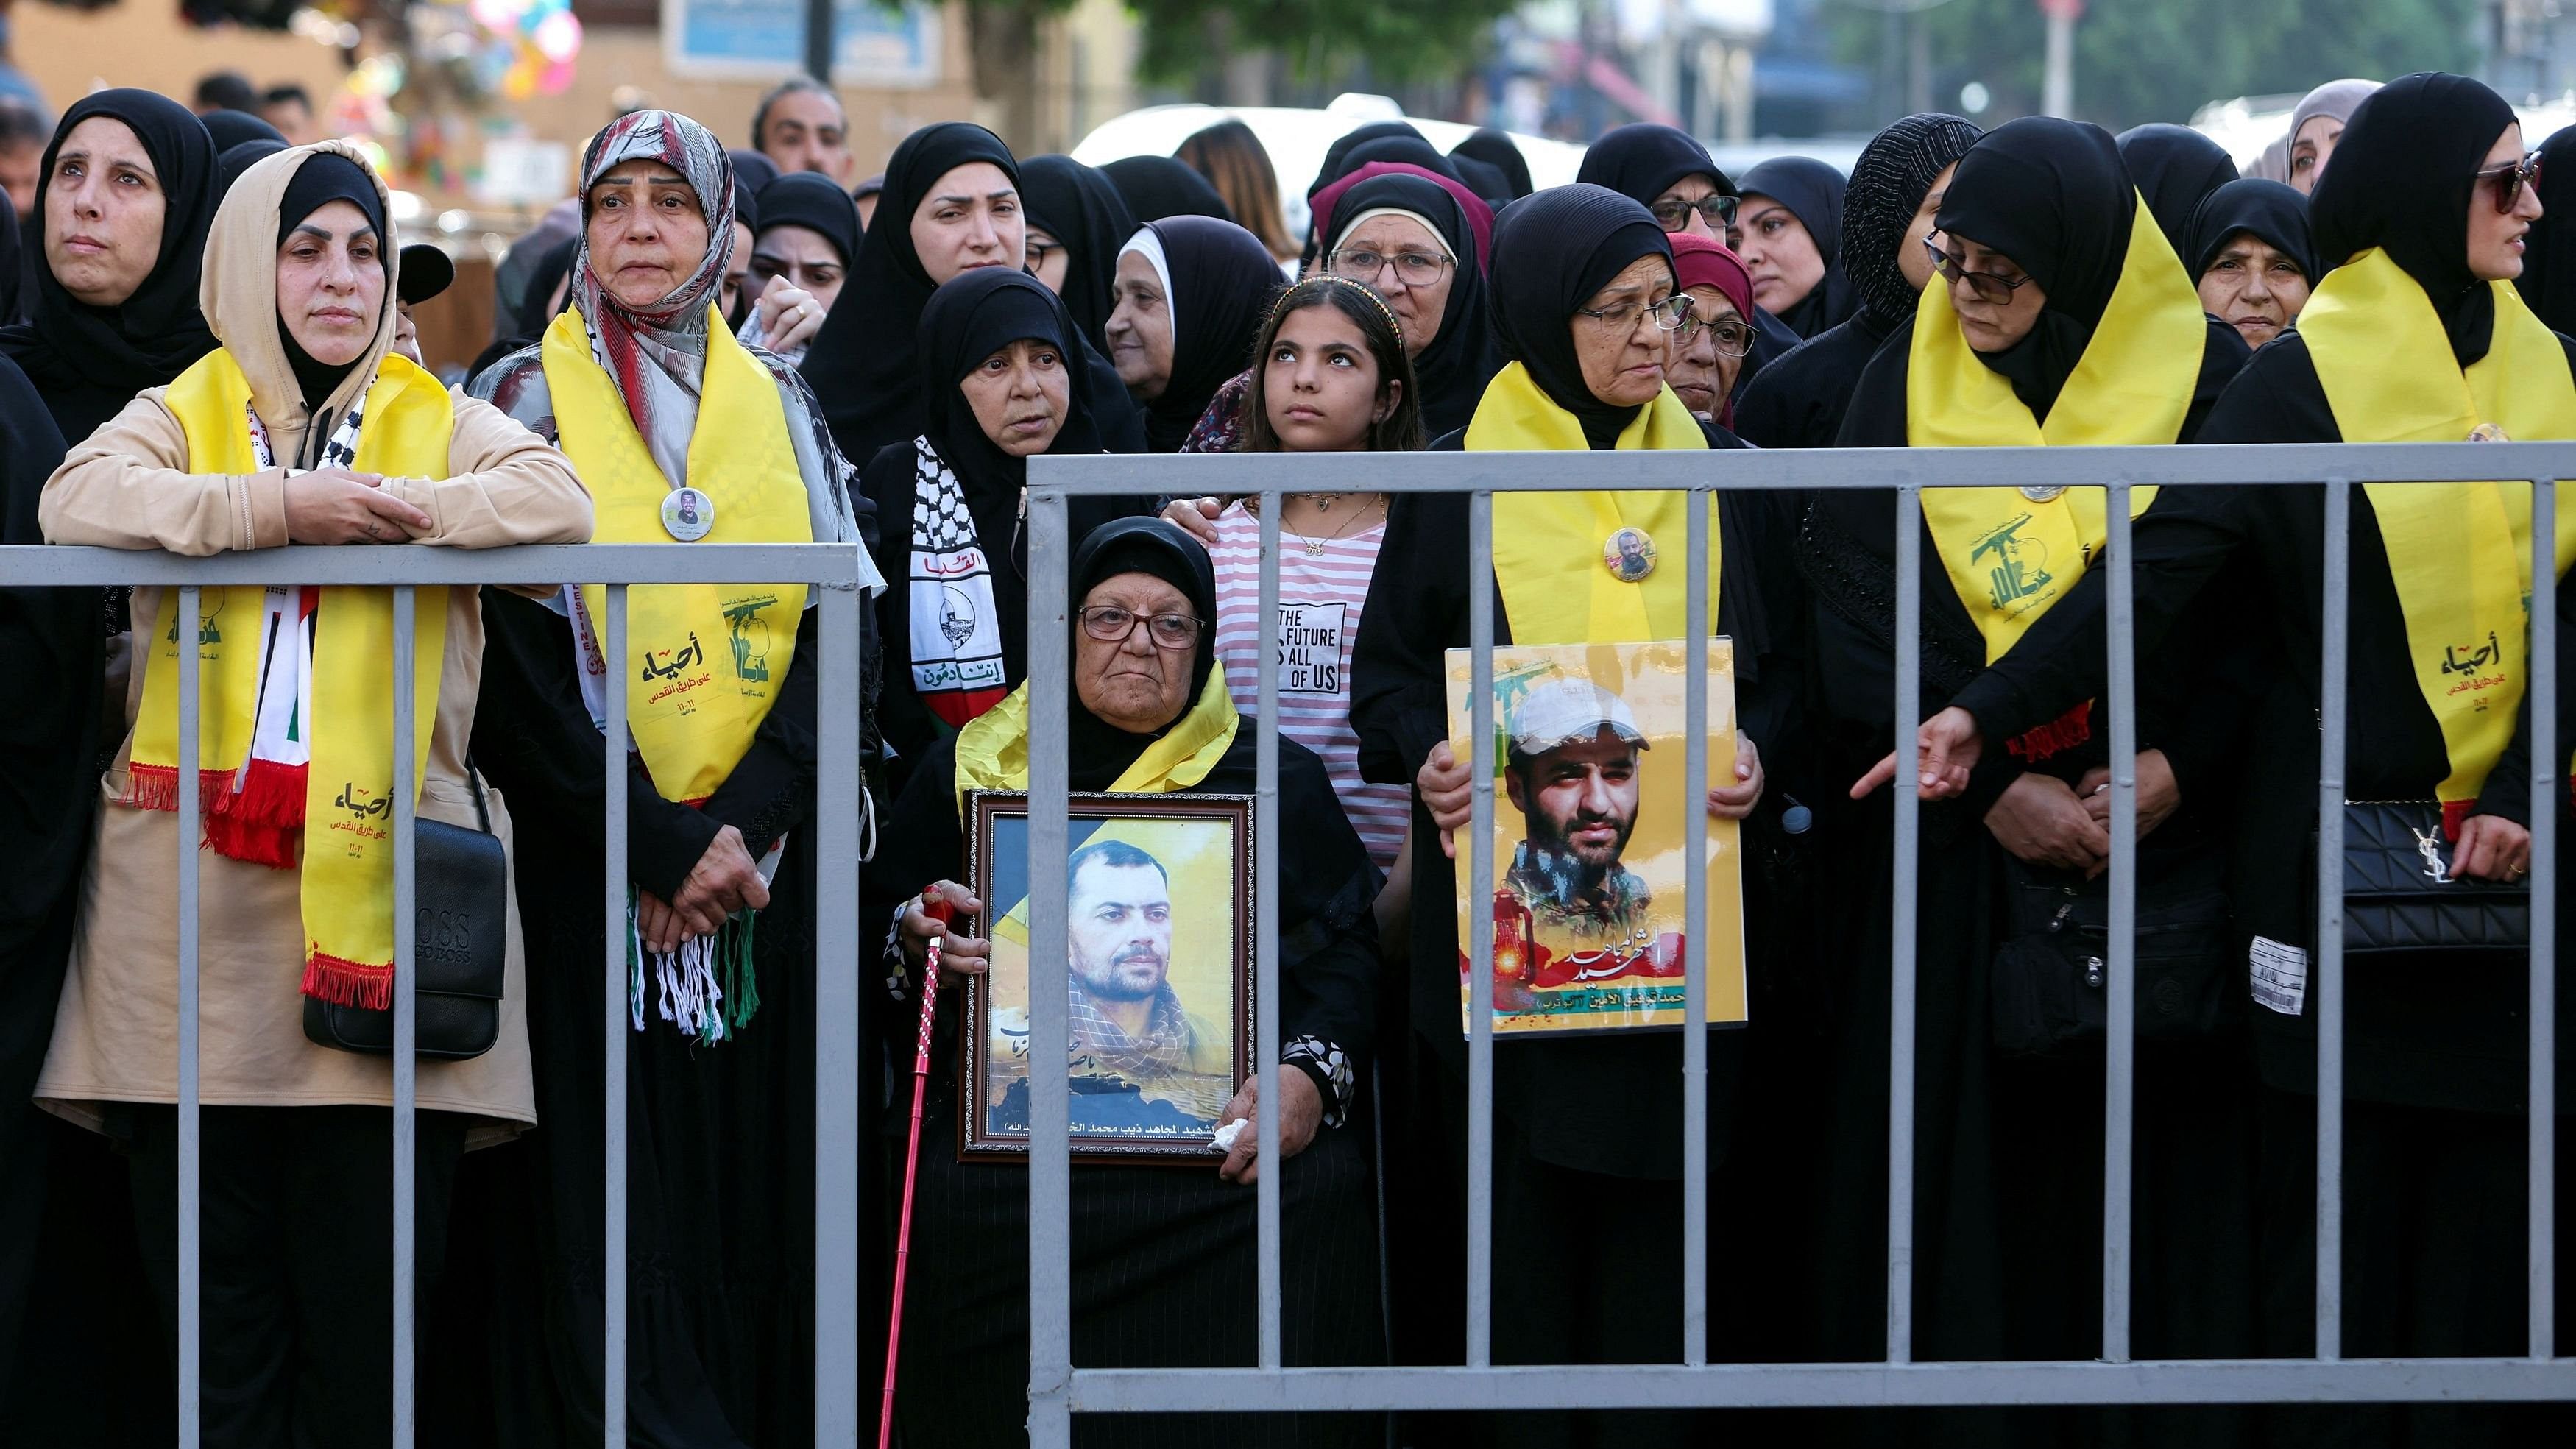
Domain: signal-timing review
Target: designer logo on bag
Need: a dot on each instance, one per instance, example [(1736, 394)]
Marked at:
[(2428, 843)]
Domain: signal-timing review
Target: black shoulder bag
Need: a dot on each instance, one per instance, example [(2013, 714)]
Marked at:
[(2399, 893), (2049, 975), (460, 946)]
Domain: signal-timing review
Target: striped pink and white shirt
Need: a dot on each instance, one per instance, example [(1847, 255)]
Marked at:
[(1319, 620)]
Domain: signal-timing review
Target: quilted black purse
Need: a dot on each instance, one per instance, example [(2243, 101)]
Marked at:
[(460, 947), (2048, 987), (2399, 893)]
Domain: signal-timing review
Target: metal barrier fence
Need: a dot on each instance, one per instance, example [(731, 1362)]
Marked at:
[(1058, 1389), (834, 571)]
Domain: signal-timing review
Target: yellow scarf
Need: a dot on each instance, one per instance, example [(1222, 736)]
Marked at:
[(2460, 553), (693, 712), (2011, 557), (1548, 547), (993, 747), (318, 789)]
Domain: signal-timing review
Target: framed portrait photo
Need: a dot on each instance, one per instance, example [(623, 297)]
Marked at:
[(1158, 892), (1591, 803)]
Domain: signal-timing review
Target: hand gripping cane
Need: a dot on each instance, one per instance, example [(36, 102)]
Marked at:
[(937, 909)]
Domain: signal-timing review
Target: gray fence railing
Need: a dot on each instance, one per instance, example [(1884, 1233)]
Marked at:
[(834, 571), (1059, 1389)]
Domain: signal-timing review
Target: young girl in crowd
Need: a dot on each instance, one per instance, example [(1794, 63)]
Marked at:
[(1332, 378)]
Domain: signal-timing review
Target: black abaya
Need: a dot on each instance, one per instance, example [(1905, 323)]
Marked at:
[(720, 1194), (2176, 168), (1223, 280), (1077, 206), (1156, 187)]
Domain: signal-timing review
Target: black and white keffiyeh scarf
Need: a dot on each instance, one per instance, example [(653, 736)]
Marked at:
[(957, 665)]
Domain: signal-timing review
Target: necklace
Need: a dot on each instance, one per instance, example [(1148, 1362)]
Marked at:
[(1315, 546)]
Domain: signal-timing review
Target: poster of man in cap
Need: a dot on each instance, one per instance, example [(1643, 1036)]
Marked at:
[(1589, 908)]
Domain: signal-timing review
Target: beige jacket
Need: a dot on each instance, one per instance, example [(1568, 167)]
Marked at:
[(128, 486)]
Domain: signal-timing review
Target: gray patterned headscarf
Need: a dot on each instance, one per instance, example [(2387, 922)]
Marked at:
[(657, 354), (1888, 183)]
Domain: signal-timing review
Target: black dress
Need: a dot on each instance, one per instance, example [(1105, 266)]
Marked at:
[(1163, 1255), (1578, 1121), (1799, 400), (2434, 1057), (2008, 1150), (720, 1182)]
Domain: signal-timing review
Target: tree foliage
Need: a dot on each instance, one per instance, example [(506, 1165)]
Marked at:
[(2160, 60), (1394, 40)]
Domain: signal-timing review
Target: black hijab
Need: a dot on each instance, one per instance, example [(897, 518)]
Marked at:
[(2175, 168), (325, 177), (89, 362), (1099, 751), (815, 202), (1813, 193), (1155, 187), (1893, 174), (1452, 372), (231, 128), (1641, 161), (751, 171), (1337, 156), (2402, 179), (232, 161), (529, 320), (1079, 207), (2275, 214), (2548, 280), (2053, 196), (1552, 251), (863, 365), (1497, 149), (966, 321), (1222, 281), (12, 260)]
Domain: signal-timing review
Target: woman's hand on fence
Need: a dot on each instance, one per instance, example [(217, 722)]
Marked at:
[(2492, 848), (2159, 794), (1946, 749), (334, 505), (1737, 800), (1301, 1112), (725, 880), (1196, 515), (2039, 819), (1448, 793), (959, 956)]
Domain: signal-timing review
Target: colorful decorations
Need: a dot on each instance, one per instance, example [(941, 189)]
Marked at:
[(530, 45)]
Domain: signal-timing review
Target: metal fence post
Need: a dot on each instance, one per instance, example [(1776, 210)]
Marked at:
[(2329, 953), (838, 1051), (406, 1064), (1901, 984), (186, 622), (1050, 1010), (1695, 937), (2120, 1060), (1480, 936), (622, 969), (2547, 779), (1266, 1235)]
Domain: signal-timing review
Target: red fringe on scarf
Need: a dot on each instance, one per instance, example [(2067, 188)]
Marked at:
[(349, 983), (271, 794), (156, 787), (2056, 737), (261, 823)]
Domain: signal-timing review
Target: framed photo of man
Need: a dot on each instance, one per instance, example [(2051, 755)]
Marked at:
[(1158, 892), (1589, 913)]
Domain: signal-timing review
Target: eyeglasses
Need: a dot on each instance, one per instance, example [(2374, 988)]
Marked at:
[(1717, 211), (1992, 287), (1733, 337), (2509, 180), (1414, 269), (1115, 625), (1039, 251), (1669, 314)]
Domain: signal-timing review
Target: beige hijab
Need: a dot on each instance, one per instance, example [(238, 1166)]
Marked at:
[(238, 288)]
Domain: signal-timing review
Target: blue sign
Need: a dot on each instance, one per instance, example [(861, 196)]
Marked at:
[(766, 38)]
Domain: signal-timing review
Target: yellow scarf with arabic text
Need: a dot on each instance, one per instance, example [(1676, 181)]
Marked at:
[(2460, 553), (993, 747), (341, 806)]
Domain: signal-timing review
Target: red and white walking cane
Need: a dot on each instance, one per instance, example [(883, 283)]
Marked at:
[(937, 909)]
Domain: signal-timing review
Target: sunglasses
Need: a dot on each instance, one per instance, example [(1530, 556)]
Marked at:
[(2509, 180), (1992, 287)]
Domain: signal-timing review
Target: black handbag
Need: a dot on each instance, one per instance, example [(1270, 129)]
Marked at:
[(2048, 981), (460, 947), (2399, 893)]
